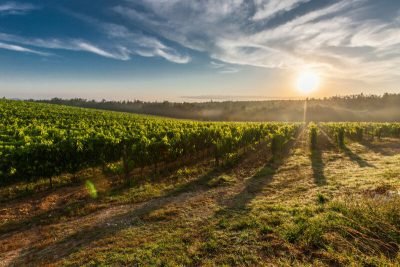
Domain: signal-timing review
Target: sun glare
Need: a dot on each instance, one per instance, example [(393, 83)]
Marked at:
[(307, 82)]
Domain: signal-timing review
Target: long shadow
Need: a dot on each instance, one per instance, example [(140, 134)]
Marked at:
[(356, 158), (237, 207), (255, 185), (317, 162), (383, 148), (318, 166), (42, 218), (54, 215), (350, 154), (43, 191), (108, 227)]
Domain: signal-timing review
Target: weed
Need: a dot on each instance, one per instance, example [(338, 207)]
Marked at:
[(321, 199), (221, 180)]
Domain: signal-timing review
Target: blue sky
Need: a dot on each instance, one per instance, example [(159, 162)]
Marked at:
[(171, 49)]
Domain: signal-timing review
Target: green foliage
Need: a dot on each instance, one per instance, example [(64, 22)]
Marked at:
[(90, 187), (340, 137), (313, 134), (360, 130), (42, 140), (359, 133), (321, 199), (279, 139), (221, 180), (266, 229), (352, 107)]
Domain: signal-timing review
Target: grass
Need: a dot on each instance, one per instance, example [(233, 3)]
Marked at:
[(24, 189), (250, 212), (221, 180), (348, 231)]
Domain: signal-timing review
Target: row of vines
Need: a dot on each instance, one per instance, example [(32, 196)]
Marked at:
[(357, 131), (42, 140)]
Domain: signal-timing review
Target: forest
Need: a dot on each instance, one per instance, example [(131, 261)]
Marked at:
[(338, 108)]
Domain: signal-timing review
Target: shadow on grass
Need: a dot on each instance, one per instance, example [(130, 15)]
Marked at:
[(384, 147), (317, 163), (235, 212), (23, 190), (79, 207), (255, 184), (82, 206), (108, 227), (318, 167), (356, 158)]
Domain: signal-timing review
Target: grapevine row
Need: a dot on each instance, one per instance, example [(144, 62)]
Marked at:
[(360, 131), (42, 140)]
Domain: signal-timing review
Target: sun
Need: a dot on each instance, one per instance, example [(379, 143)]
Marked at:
[(307, 82)]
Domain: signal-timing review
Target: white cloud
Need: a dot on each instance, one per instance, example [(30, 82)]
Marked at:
[(213, 10), (143, 45), (267, 9), (148, 47), (332, 38), (342, 38), (14, 8), (123, 55), (18, 48), (376, 34), (223, 68), (118, 42), (118, 53), (193, 24)]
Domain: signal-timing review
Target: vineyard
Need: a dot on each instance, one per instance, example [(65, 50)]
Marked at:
[(84, 187), (359, 131), (42, 140)]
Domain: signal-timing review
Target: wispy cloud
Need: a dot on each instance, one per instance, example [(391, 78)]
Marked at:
[(14, 8), (118, 53), (141, 44), (223, 68), (267, 9), (122, 55), (331, 38), (18, 48), (115, 42), (342, 38)]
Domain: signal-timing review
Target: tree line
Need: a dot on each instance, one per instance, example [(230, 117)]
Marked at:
[(337, 108)]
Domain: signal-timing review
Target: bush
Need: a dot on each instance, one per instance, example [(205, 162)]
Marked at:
[(359, 134), (340, 137), (313, 133), (277, 143)]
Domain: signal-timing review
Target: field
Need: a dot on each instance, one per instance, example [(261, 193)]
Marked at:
[(83, 187)]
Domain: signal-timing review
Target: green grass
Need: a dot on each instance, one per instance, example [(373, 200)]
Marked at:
[(254, 212)]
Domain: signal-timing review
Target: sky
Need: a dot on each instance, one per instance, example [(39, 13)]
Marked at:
[(194, 50)]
